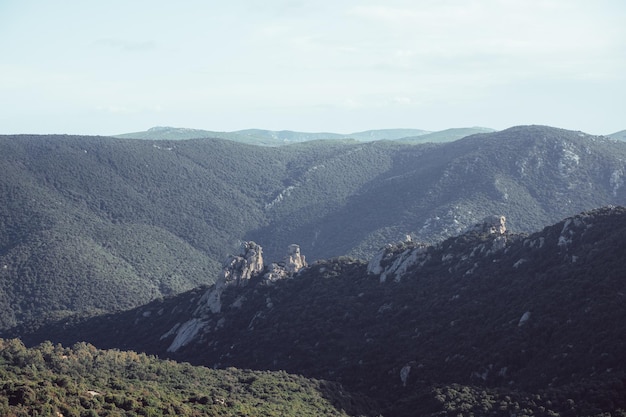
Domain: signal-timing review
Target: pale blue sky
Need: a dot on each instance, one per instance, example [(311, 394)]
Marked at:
[(107, 67)]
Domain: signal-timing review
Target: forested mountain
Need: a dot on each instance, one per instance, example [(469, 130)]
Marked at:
[(98, 223), (532, 174), (488, 322)]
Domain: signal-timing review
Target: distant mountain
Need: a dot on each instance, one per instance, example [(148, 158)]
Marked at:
[(447, 135), (98, 223), (487, 322), (386, 134), (270, 137), (621, 135), (178, 133)]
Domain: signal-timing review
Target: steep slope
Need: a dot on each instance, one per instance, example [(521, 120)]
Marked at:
[(489, 322), (535, 174), (99, 223)]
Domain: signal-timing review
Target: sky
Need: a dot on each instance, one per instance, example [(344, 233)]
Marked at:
[(117, 66)]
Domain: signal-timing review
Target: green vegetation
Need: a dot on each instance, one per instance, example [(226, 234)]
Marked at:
[(83, 381), (455, 320), (102, 224)]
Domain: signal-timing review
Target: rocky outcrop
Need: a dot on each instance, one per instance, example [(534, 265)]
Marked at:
[(274, 273), (492, 225), (237, 271), (294, 261), (482, 240)]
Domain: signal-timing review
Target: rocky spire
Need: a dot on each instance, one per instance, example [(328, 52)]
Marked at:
[(294, 261), (237, 270)]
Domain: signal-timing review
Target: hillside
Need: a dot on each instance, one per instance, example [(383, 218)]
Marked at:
[(50, 380), (535, 175), (102, 224), (488, 322)]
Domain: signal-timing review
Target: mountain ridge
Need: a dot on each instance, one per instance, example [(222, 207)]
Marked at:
[(477, 311), (283, 137)]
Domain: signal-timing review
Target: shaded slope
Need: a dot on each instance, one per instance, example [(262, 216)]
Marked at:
[(489, 314)]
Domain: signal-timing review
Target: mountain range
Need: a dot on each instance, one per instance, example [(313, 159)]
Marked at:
[(485, 323), (98, 224), (284, 137)]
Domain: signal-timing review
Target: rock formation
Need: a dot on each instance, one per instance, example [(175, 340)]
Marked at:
[(237, 270), (395, 260), (492, 225), (294, 261)]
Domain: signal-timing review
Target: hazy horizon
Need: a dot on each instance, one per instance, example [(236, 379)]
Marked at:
[(343, 66)]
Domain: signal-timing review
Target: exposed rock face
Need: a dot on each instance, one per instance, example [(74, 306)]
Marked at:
[(395, 260), (275, 272), (492, 225), (239, 269), (294, 261)]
